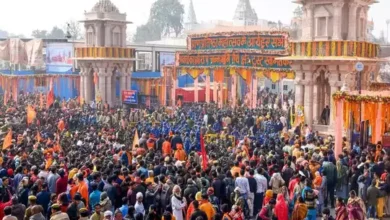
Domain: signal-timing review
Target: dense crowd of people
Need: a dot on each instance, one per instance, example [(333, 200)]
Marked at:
[(196, 162)]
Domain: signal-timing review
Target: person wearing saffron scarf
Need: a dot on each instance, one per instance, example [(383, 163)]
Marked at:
[(281, 209), (300, 210), (341, 210), (268, 196)]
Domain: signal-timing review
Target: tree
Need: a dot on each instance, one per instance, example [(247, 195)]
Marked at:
[(74, 29), (147, 32), (56, 33), (39, 34), (168, 16)]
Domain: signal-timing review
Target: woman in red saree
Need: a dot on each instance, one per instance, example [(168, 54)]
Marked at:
[(281, 209), (341, 210), (356, 208)]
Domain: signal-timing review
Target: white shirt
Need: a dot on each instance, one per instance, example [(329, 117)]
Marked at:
[(261, 183), (243, 184)]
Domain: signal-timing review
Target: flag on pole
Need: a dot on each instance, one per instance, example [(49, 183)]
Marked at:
[(7, 140), (203, 153), (31, 114), (50, 95), (135, 140), (39, 138)]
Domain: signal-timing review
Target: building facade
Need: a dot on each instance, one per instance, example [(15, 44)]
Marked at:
[(333, 40), (105, 59)]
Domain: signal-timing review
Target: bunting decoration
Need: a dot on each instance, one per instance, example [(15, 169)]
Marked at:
[(335, 48)]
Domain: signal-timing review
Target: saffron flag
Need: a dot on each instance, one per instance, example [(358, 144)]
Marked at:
[(135, 140), (50, 95), (61, 125), (39, 138), (7, 140), (203, 153), (31, 114)]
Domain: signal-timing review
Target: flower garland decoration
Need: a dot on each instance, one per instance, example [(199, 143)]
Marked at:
[(237, 33), (359, 98)]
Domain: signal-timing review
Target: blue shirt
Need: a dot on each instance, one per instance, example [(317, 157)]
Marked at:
[(124, 209), (94, 198)]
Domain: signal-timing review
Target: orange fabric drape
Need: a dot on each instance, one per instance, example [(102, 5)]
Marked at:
[(7, 140), (31, 114), (218, 75), (50, 95)]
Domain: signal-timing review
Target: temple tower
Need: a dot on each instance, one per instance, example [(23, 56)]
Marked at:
[(190, 21), (245, 15), (105, 58)]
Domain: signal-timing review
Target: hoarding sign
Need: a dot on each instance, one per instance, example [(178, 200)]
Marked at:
[(59, 57), (167, 58), (130, 97)]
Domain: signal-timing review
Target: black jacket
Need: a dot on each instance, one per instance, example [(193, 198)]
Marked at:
[(198, 213)]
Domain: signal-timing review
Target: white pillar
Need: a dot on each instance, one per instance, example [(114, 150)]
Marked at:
[(308, 109), (352, 22), (337, 13), (107, 34), (333, 89), (87, 86), (208, 88), (196, 87), (109, 86), (233, 91), (122, 82), (220, 94), (82, 94), (215, 91), (102, 85), (307, 33), (298, 89), (254, 92), (316, 102)]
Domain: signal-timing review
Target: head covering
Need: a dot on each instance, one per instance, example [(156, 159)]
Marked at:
[(281, 207), (32, 198), (139, 195), (198, 196), (107, 213)]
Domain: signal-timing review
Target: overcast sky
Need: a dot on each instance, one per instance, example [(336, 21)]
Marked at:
[(23, 16)]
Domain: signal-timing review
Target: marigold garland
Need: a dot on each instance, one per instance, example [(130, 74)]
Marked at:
[(359, 98)]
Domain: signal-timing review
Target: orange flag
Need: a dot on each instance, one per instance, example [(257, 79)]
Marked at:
[(61, 125), (39, 138), (31, 114), (7, 140), (135, 140), (50, 95)]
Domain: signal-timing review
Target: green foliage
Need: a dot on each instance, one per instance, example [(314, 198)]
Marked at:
[(147, 32), (166, 16)]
